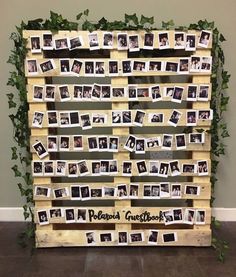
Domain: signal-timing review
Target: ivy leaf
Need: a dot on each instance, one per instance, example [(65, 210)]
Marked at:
[(16, 171), (78, 16), (168, 25), (86, 12), (222, 38), (145, 20), (22, 191), (14, 155), (102, 23), (131, 18)]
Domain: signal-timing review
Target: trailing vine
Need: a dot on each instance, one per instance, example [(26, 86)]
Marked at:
[(18, 101)]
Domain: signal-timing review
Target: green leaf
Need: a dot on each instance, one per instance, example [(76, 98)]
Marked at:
[(222, 38), (14, 155), (132, 18), (86, 12), (16, 171), (144, 20), (79, 16)]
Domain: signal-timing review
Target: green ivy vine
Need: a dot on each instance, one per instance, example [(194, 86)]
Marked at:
[(17, 101)]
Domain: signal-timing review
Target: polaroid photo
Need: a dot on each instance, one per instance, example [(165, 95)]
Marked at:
[(190, 42), (197, 138), (180, 141), (64, 143), (204, 38), (140, 146), (155, 118), (183, 66), (38, 93), (85, 121), (155, 191), (205, 114), (122, 191), (96, 168), (169, 237), (113, 167), (142, 168), (202, 168), (192, 93), (93, 41), (127, 168), (153, 168), (139, 118), (136, 237), (192, 190), (165, 190), (52, 117), (168, 92), (64, 119), (96, 193), (92, 143), (113, 144), (83, 168), (189, 216), (55, 213), (72, 169), (69, 215), (122, 41), (77, 93), (126, 117), (40, 149), (76, 67), (122, 238), (130, 143), (163, 169), (118, 92), (152, 236), (52, 145), (60, 193), (172, 66), (140, 66), (133, 191), (90, 238), (163, 40), (77, 143), (87, 92), (38, 119), (64, 93), (167, 141), (176, 190), (41, 191), (108, 40), (203, 93), (155, 66), (132, 93), (43, 217), (76, 42), (177, 94), (106, 92), (47, 66), (200, 218), (89, 69), (47, 41), (178, 215), (81, 215), (174, 168), (206, 64), (179, 40), (85, 192), (61, 168), (148, 41), (153, 142), (155, 93), (104, 169), (116, 117), (64, 66), (143, 92), (147, 191), (195, 64), (133, 42), (106, 237), (75, 192), (96, 92), (48, 168), (74, 119), (127, 67), (168, 217), (189, 168), (99, 119), (174, 118), (113, 68), (50, 91), (32, 66), (191, 118), (99, 69), (61, 43), (108, 192)]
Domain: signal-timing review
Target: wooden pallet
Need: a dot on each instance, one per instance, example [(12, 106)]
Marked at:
[(109, 218)]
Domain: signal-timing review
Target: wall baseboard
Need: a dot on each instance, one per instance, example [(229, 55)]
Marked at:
[(16, 214)]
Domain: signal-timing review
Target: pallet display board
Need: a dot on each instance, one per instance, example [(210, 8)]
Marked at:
[(119, 137)]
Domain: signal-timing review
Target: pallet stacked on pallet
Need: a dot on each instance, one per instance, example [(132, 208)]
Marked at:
[(113, 162)]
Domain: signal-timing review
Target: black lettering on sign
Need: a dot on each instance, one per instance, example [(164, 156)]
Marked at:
[(102, 216)]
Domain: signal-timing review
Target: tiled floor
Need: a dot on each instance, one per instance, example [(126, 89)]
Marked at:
[(110, 262)]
